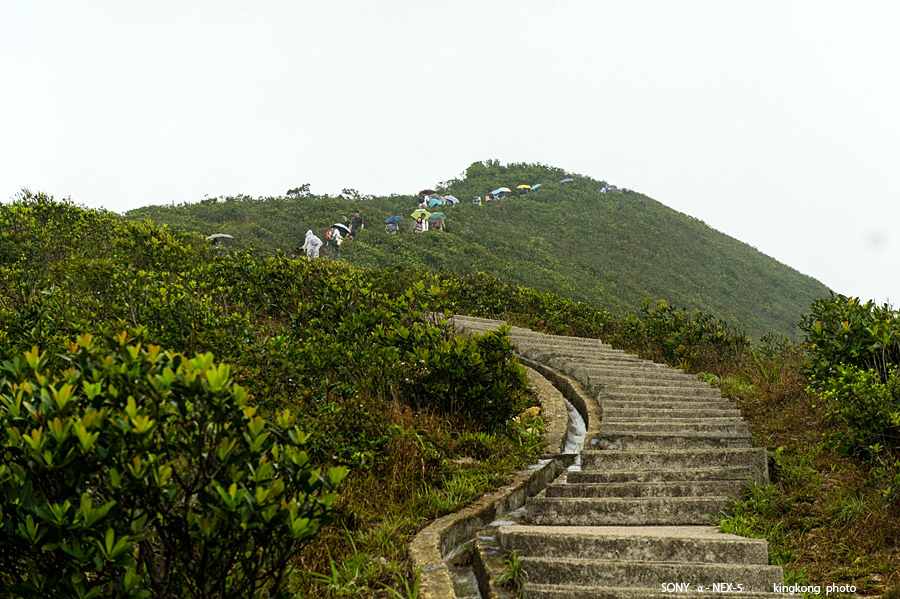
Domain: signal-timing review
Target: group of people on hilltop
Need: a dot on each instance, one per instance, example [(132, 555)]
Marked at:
[(333, 237)]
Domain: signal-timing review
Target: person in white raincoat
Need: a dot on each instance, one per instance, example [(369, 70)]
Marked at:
[(312, 245)]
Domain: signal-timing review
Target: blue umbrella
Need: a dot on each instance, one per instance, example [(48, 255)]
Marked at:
[(393, 220), (567, 180), (451, 199), (533, 187), (435, 202), (497, 191)]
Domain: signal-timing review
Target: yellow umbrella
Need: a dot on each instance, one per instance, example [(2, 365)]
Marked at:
[(524, 187)]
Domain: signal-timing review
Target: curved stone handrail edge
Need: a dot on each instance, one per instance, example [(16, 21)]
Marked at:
[(429, 546)]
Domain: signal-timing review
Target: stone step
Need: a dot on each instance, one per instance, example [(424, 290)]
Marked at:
[(662, 379), (754, 460), (562, 360), (614, 395), (669, 404), (651, 575), (639, 369), (569, 591), (621, 363), (675, 425), (634, 543), (732, 488), (668, 440), (649, 476), (625, 391), (656, 414), (596, 357), (647, 379), (640, 511)]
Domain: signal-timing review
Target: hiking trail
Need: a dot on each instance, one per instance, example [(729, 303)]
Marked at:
[(664, 454)]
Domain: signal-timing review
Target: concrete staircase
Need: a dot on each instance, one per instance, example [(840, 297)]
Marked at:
[(668, 453)]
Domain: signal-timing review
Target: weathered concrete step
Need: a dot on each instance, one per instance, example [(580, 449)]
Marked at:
[(594, 358), (670, 404), (640, 511), (624, 391), (731, 488), (611, 395), (754, 460), (634, 543), (667, 440), (656, 414), (661, 379), (638, 368), (563, 360), (644, 380), (675, 425), (754, 578), (568, 591), (647, 476), (622, 365)]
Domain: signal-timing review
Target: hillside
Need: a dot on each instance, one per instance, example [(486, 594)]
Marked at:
[(611, 250)]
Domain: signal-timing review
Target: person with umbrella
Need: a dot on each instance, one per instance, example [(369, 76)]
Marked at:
[(219, 240), (392, 225), (437, 219), (333, 239), (421, 225)]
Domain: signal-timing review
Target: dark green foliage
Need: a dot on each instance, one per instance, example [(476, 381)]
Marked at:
[(134, 472), (471, 378), (610, 251), (843, 330), (854, 355), (865, 410), (690, 340), (314, 343)]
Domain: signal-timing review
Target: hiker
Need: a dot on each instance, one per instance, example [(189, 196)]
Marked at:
[(333, 240), (311, 245), (476, 201), (357, 224), (420, 226), (439, 225), (391, 228)]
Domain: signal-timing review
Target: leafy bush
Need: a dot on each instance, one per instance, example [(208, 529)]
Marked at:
[(865, 410), (843, 330), (690, 340), (133, 472), (475, 379)]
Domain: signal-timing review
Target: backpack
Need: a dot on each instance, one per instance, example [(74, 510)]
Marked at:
[(329, 234)]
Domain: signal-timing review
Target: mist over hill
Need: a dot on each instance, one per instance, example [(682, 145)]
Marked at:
[(612, 250)]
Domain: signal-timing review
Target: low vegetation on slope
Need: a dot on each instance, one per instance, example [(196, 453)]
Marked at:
[(178, 423), (132, 355), (610, 250)]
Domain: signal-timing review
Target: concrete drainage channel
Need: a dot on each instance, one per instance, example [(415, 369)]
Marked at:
[(634, 514)]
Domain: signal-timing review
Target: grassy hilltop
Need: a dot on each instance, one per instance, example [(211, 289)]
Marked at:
[(609, 250)]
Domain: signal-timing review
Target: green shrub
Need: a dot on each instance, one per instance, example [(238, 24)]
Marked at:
[(135, 472), (843, 330), (691, 340), (475, 379), (865, 410)]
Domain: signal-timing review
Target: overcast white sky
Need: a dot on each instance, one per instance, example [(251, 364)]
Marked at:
[(775, 122)]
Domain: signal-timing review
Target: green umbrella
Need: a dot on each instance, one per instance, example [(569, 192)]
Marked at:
[(436, 216), (420, 212)]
